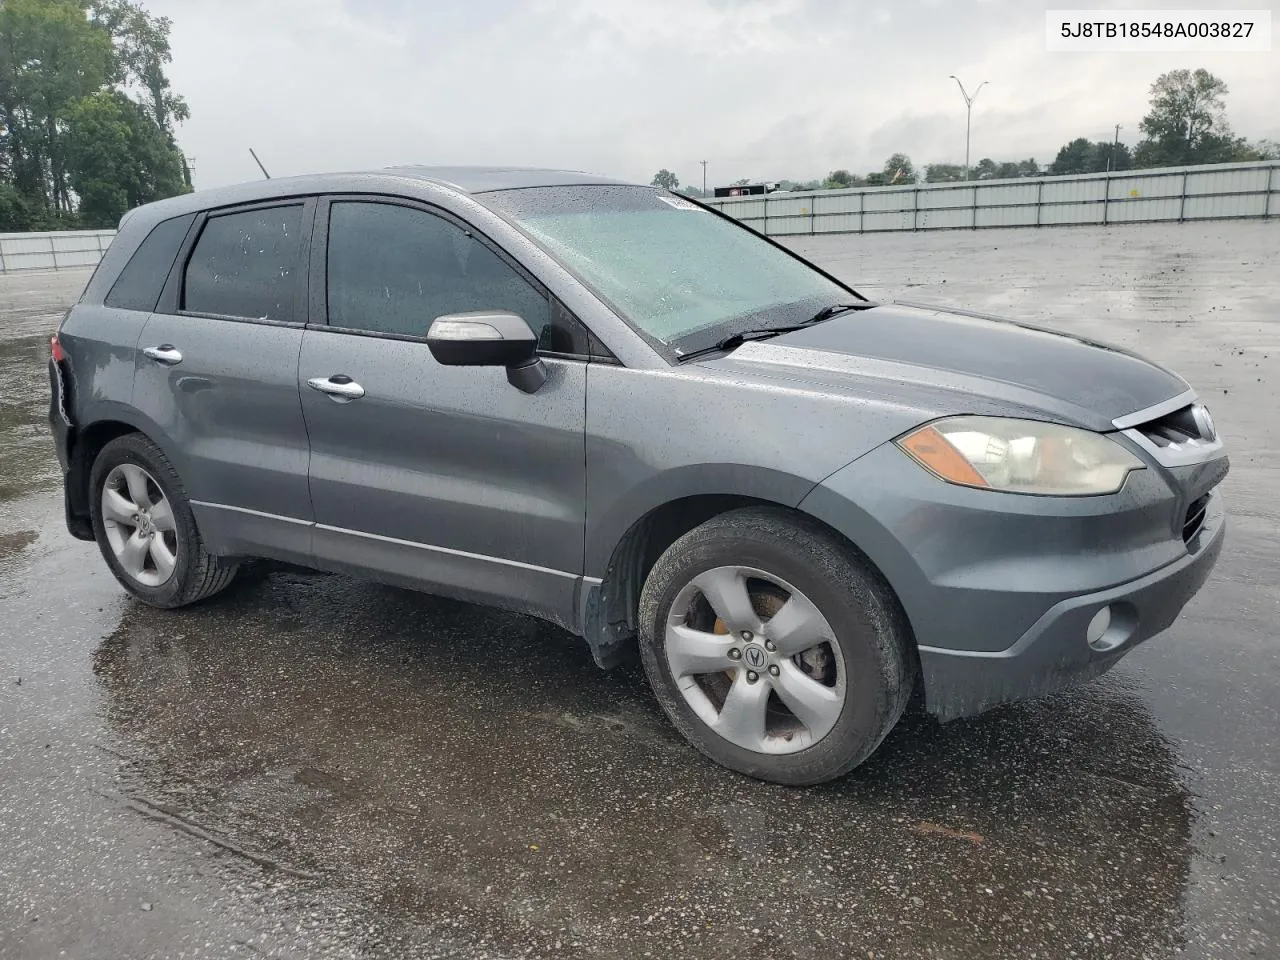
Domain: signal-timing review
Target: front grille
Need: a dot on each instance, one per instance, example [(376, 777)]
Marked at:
[(1195, 518), (1174, 428)]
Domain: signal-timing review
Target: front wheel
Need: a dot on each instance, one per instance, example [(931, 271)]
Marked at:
[(774, 648), (145, 529)]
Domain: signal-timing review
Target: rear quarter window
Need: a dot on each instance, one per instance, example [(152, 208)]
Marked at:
[(140, 282)]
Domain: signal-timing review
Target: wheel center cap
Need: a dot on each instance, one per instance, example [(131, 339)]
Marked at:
[(755, 657), (144, 525)]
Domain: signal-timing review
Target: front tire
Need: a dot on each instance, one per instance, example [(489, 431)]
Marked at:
[(145, 529), (775, 649)]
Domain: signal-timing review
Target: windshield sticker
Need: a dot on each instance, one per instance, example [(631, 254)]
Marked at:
[(680, 203)]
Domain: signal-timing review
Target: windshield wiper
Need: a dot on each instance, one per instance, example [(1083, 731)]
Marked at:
[(826, 313), (736, 340)]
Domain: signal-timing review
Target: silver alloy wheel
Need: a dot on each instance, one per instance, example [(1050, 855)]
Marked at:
[(138, 521), (756, 660)]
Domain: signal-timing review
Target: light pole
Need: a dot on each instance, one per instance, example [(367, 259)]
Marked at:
[(1114, 147), (968, 116), (704, 177)]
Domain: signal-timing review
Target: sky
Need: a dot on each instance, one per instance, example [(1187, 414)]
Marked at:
[(760, 89)]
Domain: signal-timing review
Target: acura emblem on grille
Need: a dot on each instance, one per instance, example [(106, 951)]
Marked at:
[(1204, 422)]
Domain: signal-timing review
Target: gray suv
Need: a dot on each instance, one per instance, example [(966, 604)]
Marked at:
[(616, 409)]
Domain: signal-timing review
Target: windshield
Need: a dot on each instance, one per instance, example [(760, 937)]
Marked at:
[(671, 268)]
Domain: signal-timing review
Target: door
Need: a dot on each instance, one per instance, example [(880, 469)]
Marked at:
[(217, 375), (447, 478)]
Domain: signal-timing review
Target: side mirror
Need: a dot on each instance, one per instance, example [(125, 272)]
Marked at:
[(489, 338)]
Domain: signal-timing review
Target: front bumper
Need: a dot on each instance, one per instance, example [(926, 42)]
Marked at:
[(1054, 653), (1000, 588)]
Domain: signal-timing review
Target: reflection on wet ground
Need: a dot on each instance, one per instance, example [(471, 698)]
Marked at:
[(312, 766), (470, 769)]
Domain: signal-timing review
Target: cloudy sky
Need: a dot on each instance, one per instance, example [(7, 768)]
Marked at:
[(759, 88)]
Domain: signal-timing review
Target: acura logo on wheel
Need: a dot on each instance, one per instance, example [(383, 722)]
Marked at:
[(755, 657)]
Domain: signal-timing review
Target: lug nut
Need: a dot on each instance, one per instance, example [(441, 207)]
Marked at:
[(773, 670), (752, 676), (735, 654), (746, 636), (769, 645)]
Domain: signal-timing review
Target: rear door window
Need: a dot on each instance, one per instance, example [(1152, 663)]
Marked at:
[(246, 265), (140, 282)]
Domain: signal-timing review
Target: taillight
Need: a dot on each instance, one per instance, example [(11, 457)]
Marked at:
[(55, 349)]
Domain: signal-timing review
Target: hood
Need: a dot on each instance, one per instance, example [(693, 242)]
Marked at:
[(1033, 370)]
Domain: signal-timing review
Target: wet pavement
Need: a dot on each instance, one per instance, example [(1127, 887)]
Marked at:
[(313, 766)]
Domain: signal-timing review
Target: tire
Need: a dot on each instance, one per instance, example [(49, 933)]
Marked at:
[(175, 568), (773, 553)]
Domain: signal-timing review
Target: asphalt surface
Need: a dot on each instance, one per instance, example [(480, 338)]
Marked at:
[(313, 766)]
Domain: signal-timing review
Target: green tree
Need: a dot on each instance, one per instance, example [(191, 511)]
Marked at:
[(838, 178), (1111, 156), (1187, 122), (986, 169), (943, 172), (898, 169), (50, 57), (56, 55), (1076, 157), (665, 178), (119, 158)]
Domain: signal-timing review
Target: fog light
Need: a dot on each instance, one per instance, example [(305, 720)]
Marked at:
[(1096, 632)]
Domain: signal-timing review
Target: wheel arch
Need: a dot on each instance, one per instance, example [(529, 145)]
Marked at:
[(88, 439), (609, 604)]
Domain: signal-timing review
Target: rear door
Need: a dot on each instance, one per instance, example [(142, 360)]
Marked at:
[(443, 477), (217, 374)]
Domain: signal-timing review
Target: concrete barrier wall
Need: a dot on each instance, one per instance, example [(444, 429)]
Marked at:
[(1218, 192), (52, 251)]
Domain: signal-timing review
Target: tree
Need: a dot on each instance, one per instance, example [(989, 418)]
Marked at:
[(838, 178), (943, 172), (118, 158), (898, 169), (986, 169), (54, 56), (1075, 157), (1111, 156), (1187, 122), (665, 178), (142, 51)]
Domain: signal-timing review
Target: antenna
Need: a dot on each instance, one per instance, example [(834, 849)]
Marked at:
[(259, 163)]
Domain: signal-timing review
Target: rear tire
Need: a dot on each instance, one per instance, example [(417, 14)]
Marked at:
[(144, 526), (779, 581)]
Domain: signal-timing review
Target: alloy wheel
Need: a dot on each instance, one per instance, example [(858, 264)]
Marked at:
[(756, 660), (139, 525)]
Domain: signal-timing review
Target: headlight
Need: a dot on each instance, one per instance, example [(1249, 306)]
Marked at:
[(1021, 456)]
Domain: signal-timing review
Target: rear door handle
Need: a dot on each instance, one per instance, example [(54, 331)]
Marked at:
[(166, 353), (339, 387)]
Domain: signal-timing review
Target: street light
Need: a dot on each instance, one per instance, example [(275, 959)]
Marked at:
[(704, 177), (968, 105)]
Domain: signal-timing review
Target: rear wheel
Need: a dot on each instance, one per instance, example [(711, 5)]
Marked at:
[(145, 529), (774, 648)]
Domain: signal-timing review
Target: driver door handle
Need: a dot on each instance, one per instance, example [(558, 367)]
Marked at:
[(339, 387), (166, 353)]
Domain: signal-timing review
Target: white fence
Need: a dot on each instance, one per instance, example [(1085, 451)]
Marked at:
[(52, 251), (1218, 192)]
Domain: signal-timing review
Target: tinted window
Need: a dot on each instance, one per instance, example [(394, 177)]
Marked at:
[(394, 269), (139, 284), (246, 265)]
